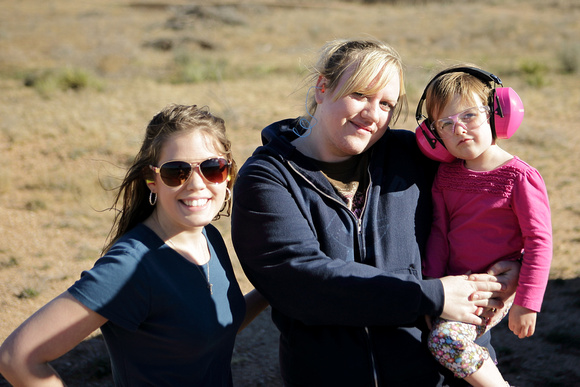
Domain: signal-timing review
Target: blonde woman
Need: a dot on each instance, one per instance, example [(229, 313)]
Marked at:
[(330, 221)]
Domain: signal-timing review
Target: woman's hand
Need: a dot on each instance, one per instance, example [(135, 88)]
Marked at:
[(464, 298), (507, 274)]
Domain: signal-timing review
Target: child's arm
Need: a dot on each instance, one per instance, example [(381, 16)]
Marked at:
[(522, 321), (531, 206)]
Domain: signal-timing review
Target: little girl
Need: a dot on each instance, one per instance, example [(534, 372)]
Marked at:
[(489, 206)]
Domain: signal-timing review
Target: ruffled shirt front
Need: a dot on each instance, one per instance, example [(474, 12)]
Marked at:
[(483, 217)]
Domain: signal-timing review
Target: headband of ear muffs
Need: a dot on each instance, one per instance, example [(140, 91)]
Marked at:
[(507, 113)]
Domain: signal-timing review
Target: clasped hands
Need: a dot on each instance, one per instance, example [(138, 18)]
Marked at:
[(480, 298)]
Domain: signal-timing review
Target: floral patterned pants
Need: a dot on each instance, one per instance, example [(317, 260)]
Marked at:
[(453, 345)]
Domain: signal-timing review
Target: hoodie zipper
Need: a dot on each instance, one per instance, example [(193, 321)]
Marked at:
[(360, 242)]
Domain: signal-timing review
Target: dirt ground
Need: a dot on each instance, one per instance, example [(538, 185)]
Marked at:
[(249, 59), (550, 358)]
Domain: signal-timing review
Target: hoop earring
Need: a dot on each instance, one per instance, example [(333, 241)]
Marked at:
[(152, 198), (226, 209)]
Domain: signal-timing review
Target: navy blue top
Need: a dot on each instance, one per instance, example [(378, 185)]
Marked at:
[(164, 328)]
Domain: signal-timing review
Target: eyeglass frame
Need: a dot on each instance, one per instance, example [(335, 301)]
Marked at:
[(193, 166), (456, 121)]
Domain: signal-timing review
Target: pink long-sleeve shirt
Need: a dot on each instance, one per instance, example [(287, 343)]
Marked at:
[(481, 218)]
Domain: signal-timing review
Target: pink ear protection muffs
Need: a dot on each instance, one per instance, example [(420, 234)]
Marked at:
[(505, 104)]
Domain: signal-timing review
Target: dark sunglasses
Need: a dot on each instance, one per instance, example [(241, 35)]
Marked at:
[(176, 173)]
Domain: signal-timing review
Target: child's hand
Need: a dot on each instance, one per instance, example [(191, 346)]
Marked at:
[(522, 321)]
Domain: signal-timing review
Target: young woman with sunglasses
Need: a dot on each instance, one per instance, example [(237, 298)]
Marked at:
[(330, 219), (164, 293)]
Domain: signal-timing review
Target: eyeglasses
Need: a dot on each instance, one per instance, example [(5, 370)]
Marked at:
[(176, 173), (469, 119)]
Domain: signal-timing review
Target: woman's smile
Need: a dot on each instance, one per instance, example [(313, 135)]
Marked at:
[(195, 202)]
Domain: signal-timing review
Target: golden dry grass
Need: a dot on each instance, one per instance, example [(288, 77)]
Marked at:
[(59, 148)]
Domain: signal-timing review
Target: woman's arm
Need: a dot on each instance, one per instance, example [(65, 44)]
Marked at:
[(278, 233), (48, 334), (255, 304)]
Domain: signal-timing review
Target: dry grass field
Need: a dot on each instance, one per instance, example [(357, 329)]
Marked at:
[(79, 80)]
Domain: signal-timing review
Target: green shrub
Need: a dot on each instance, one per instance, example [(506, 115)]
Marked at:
[(197, 69), (11, 262), (569, 58), (189, 69), (28, 293), (49, 81), (534, 72), (35, 205)]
